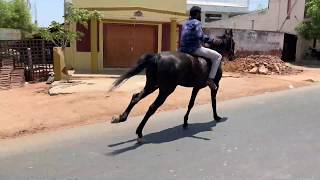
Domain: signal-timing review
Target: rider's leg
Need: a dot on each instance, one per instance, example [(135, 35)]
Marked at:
[(215, 58)]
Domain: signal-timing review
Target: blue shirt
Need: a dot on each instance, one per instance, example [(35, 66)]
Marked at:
[(192, 36)]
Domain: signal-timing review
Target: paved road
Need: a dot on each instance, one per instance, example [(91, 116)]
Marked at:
[(273, 136)]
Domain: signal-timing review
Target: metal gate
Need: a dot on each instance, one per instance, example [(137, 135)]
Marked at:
[(35, 55)]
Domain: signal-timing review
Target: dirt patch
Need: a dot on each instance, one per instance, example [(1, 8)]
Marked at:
[(30, 109), (260, 64)]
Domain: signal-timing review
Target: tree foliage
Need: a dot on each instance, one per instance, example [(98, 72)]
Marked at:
[(310, 29), (15, 14), (61, 34)]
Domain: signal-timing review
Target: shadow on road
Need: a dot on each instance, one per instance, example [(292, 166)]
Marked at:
[(168, 135)]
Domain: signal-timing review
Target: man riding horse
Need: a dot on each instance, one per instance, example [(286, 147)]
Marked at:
[(192, 38), (166, 70)]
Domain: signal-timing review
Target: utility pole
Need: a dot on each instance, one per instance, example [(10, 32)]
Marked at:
[(35, 13), (65, 8), (29, 4), (66, 4)]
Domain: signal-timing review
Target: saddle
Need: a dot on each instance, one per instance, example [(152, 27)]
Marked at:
[(197, 59), (199, 65)]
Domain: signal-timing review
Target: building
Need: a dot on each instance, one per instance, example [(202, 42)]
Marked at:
[(129, 29), (215, 10), (269, 30), (10, 34)]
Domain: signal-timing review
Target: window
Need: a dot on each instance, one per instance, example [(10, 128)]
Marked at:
[(84, 44), (232, 15), (252, 24), (213, 17)]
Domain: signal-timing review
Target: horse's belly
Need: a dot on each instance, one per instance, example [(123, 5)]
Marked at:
[(197, 76)]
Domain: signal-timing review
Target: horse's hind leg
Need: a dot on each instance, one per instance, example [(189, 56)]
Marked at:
[(190, 106), (148, 89), (152, 109)]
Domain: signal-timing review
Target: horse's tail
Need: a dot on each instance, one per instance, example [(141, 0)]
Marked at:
[(143, 62)]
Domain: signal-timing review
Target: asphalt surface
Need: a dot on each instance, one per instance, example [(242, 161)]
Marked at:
[(272, 136)]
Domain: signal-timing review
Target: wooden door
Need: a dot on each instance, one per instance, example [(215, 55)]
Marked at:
[(125, 43), (145, 41), (117, 45)]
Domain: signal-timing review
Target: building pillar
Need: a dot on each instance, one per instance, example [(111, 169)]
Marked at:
[(58, 63), (94, 45), (173, 35), (160, 38), (203, 18)]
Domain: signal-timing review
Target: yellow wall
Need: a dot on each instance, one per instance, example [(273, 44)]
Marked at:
[(82, 60), (147, 16), (167, 5)]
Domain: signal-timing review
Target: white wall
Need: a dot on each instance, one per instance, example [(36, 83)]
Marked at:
[(254, 42), (10, 34), (272, 19)]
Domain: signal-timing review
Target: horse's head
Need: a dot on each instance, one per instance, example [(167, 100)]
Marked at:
[(225, 44)]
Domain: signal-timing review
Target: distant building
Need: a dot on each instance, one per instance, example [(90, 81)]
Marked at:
[(272, 27), (215, 11), (10, 34)]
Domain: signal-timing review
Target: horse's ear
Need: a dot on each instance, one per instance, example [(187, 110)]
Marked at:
[(225, 31), (231, 33)]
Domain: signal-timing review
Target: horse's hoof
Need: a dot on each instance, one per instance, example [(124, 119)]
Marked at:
[(115, 120), (140, 141), (218, 119), (185, 126)]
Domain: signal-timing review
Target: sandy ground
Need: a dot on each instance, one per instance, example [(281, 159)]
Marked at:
[(30, 109)]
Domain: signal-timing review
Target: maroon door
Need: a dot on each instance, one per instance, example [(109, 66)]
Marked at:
[(125, 43)]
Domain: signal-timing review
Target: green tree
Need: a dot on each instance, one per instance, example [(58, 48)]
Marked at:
[(61, 34), (4, 13), (15, 14), (260, 7), (310, 28)]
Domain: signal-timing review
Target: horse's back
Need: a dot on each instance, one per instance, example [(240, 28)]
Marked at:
[(182, 69)]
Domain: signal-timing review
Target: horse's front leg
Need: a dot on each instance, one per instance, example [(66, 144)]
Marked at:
[(163, 94), (190, 106), (216, 117)]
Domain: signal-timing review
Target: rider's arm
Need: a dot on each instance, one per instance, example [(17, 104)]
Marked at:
[(203, 37), (207, 39)]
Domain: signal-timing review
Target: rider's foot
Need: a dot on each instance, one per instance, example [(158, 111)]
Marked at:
[(212, 85)]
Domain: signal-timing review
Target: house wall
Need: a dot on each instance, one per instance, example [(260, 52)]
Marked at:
[(166, 5), (10, 34), (122, 11), (253, 42), (258, 42), (272, 19), (153, 10), (82, 60)]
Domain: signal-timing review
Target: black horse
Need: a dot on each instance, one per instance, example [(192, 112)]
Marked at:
[(167, 70)]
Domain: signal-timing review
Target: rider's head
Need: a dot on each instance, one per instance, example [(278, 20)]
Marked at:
[(195, 13)]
